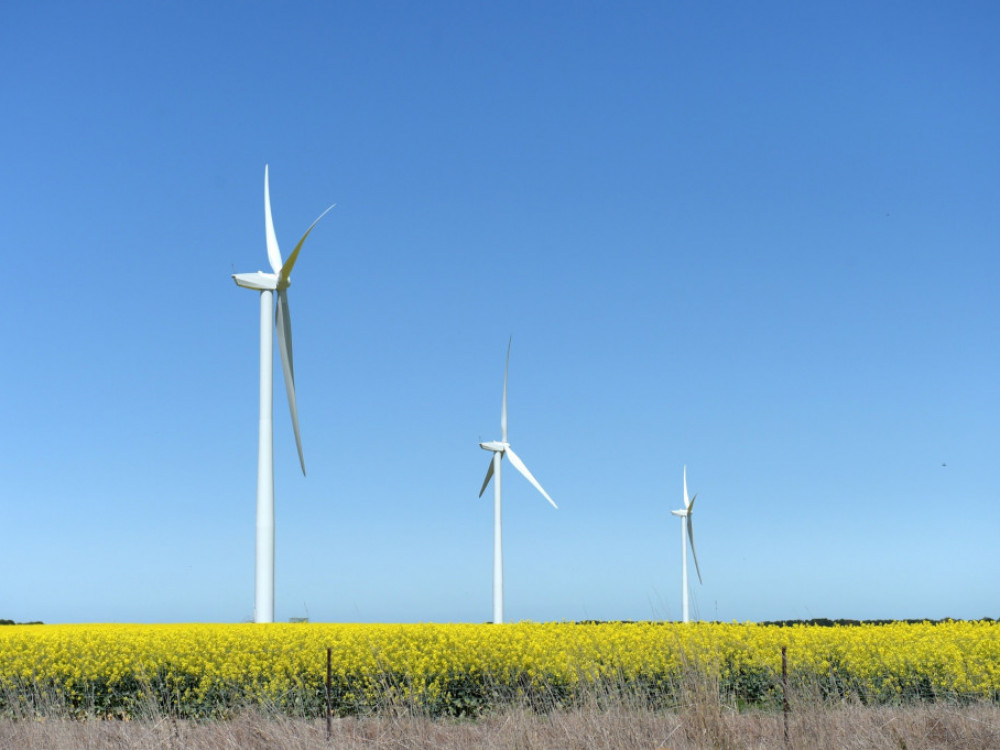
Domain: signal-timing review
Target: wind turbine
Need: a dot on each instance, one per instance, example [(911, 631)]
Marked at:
[(687, 537), (267, 284), (500, 448)]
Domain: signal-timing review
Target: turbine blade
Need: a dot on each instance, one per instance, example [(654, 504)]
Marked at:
[(503, 410), (489, 476), (283, 322), (519, 465), (686, 501), (273, 253), (286, 269), (691, 504), (691, 542)]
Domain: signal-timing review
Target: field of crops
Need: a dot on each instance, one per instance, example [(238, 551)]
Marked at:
[(211, 670)]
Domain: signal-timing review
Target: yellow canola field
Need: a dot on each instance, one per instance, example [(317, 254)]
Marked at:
[(454, 668)]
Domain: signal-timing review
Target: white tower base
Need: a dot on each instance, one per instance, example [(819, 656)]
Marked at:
[(497, 545), (263, 610)]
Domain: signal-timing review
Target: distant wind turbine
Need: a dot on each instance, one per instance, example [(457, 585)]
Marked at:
[(687, 537), (500, 449), (267, 284)]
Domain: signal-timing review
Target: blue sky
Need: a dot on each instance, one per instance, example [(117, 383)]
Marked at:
[(759, 240)]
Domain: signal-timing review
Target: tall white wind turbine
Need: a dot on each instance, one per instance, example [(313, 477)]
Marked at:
[(687, 537), (267, 284), (500, 449)]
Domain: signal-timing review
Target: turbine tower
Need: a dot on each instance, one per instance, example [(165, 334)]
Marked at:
[(500, 449), (687, 537), (267, 284)]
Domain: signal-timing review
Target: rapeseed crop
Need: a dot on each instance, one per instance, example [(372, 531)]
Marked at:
[(211, 670)]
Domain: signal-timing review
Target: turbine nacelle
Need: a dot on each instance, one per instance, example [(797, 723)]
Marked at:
[(262, 282), (680, 513), (495, 445)]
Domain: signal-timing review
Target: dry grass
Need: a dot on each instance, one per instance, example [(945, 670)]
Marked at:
[(693, 727)]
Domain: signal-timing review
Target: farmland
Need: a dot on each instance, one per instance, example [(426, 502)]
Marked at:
[(207, 671)]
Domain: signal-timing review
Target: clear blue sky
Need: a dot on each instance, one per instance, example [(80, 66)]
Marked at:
[(757, 239)]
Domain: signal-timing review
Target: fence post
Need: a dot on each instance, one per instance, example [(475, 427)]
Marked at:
[(329, 664), (785, 708)]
